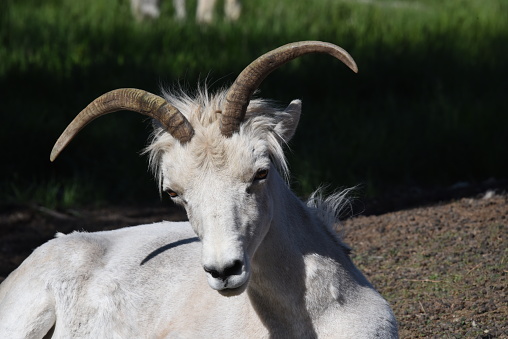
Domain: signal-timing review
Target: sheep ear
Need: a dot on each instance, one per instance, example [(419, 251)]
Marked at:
[(286, 127)]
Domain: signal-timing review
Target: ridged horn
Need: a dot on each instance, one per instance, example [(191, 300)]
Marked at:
[(129, 99), (239, 94)]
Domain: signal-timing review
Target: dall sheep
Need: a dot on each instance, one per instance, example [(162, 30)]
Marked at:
[(150, 9), (253, 261)]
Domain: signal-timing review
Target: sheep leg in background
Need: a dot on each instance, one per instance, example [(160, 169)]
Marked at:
[(180, 11), (232, 9), (204, 13)]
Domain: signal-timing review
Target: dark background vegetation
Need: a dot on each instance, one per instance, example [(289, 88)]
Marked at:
[(427, 109)]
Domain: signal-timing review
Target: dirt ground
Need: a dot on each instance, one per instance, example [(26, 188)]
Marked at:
[(443, 266)]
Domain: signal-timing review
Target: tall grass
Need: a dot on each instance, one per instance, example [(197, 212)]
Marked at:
[(427, 108)]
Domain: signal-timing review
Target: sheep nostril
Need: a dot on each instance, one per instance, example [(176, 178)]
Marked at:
[(213, 272), (234, 269)]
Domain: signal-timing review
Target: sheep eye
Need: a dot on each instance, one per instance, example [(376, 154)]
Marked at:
[(261, 174), (171, 193)]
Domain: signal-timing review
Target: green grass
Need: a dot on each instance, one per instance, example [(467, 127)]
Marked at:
[(428, 106), (55, 193)]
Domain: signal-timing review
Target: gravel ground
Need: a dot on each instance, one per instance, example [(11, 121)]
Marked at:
[(443, 267)]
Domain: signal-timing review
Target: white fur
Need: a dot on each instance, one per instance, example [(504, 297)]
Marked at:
[(150, 9), (284, 272), (145, 9)]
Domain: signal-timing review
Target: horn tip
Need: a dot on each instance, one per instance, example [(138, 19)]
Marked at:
[(353, 66), (54, 154)]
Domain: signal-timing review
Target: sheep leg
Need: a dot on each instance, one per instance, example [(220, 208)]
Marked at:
[(204, 12), (26, 306)]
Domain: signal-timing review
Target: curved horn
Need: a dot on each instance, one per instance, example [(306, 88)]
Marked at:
[(129, 99), (248, 81)]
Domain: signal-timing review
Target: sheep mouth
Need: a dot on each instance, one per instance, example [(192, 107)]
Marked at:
[(232, 286), (232, 292)]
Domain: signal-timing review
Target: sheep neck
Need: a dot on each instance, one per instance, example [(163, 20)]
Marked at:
[(279, 289)]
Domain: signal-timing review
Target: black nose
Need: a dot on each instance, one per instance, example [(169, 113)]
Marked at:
[(235, 268)]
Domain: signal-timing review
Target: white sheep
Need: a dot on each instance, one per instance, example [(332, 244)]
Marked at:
[(253, 261), (150, 9)]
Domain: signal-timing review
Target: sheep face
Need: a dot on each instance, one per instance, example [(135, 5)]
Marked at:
[(228, 186)]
